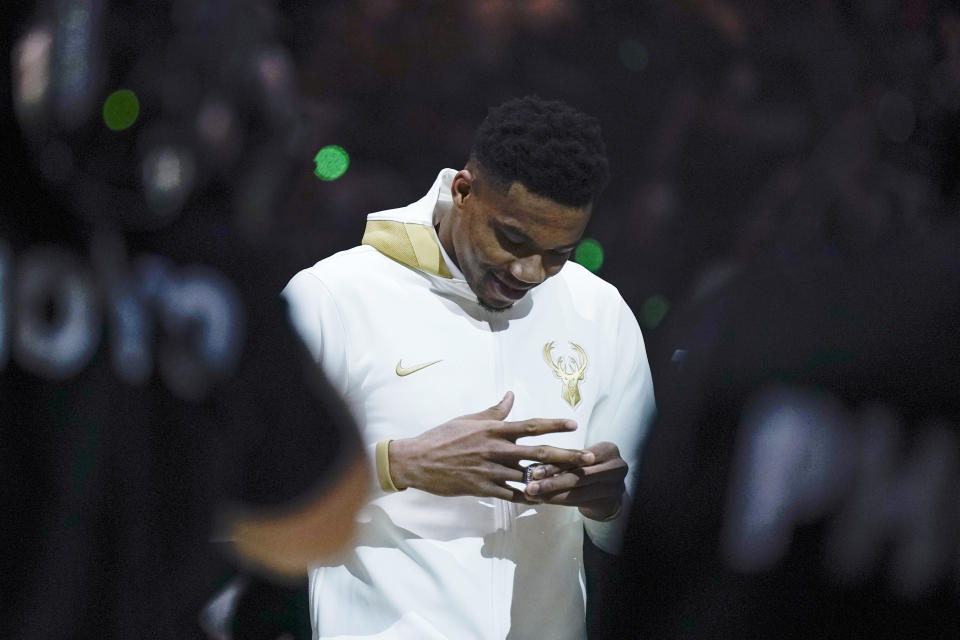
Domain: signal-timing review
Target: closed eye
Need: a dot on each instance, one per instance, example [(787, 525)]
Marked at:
[(508, 236)]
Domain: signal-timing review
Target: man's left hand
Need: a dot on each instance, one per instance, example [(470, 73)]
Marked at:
[(595, 488)]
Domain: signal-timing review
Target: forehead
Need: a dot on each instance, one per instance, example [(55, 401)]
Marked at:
[(546, 222)]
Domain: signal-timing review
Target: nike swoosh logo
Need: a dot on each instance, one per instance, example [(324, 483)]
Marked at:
[(405, 371)]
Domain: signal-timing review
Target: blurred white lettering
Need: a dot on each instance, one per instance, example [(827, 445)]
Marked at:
[(788, 467), (57, 318), (802, 458), (189, 320), (909, 500)]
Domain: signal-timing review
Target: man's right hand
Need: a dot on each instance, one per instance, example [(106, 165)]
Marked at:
[(476, 454)]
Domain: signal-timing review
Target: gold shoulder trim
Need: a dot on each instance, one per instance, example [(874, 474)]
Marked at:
[(411, 244)]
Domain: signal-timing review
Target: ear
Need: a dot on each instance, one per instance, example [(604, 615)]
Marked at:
[(462, 186)]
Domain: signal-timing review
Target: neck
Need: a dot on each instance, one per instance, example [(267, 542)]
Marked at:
[(445, 234)]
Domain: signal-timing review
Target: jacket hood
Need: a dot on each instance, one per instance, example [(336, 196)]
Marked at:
[(408, 236)]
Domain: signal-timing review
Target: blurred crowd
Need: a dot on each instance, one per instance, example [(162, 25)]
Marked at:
[(735, 130)]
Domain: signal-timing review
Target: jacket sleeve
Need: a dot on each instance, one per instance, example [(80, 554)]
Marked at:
[(316, 317), (623, 417)]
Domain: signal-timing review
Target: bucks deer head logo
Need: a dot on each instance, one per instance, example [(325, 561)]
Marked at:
[(570, 375)]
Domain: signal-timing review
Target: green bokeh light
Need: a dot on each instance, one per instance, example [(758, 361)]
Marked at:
[(589, 254), (332, 162), (634, 55), (120, 110), (653, 310)]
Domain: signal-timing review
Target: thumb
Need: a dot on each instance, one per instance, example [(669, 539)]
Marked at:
[(500, 410)]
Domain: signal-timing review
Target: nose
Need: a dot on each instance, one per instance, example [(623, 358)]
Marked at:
[(529, 270)]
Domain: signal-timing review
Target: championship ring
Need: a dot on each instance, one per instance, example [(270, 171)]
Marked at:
[(528, 473)]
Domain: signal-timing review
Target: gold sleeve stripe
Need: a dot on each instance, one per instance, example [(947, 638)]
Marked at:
[(383, 467), (411, 244)]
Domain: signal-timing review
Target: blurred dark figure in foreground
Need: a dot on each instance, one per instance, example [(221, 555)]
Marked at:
[(802, 479), (155, 424)]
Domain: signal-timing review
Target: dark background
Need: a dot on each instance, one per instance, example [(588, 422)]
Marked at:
[(735, 130), (741, 134)]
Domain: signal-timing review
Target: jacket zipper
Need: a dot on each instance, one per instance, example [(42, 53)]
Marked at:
[(503, 515)]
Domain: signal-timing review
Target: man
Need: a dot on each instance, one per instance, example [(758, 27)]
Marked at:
[(459, 300)]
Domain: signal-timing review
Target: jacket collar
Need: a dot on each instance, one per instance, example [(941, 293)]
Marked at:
[(407, 234)]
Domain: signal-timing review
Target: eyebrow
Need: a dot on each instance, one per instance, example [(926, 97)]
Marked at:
[(509, 227)]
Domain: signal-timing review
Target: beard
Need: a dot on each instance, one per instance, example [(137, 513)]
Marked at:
[(478, 287), (487, 307)]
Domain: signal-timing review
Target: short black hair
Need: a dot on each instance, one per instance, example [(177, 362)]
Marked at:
[(549, 147)]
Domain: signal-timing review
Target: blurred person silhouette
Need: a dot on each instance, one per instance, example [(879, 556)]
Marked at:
[(459, 300), (162, 423), (801, 479)]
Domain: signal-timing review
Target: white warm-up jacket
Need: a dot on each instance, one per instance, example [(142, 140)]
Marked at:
[(464, 568)]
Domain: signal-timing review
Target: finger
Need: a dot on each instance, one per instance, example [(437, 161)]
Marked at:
[(580, 496), (506, 493), (500, 410), (504, 474), (541, 470), (520, 498), (598, 467), (499, 475), (551, 455), (604, 450), (534, 427), (577, 477), (564, 481), (506, 477)]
